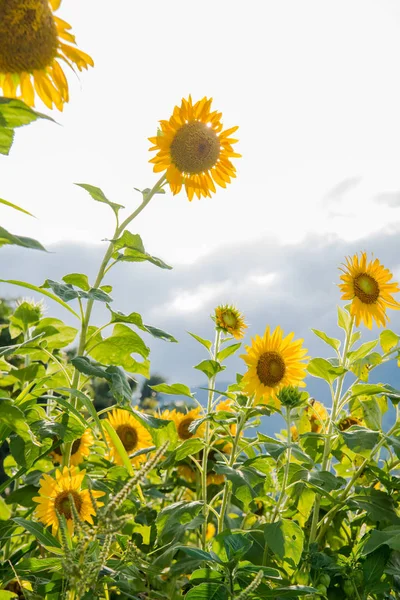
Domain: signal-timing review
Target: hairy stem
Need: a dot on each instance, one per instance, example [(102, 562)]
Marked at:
[(287, 468)]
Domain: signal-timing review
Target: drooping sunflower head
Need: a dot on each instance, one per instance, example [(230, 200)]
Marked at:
[(183, 421), (229, 320), (133, 435), (369, 287), (193, 150), (55, 496), (33, 41), (273, 362), (80, 449), (317, 415)]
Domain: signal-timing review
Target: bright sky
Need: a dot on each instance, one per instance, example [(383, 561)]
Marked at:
[(314, 86)]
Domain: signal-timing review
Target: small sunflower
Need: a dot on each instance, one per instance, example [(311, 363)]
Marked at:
[(193, 150), (229, 320), (33, 43), (317, 415), (54, 496), (132, 434), (80, 449), (189, 475), (226, 406), (273, 362), (183, 421), (368, 286), (348, 422), (211, 531)]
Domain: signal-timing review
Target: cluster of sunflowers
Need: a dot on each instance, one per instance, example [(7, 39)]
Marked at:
[(316, 504)]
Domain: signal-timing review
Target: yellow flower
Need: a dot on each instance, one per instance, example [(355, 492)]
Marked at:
[(183, 421), (273, 362), (193, 150), (230, 320), (54, 496), (79, 451), (348, 422), (211, 531), (189, 475), (317, 415), (369, 288), (226, 406), (33, 43), (132, 434)]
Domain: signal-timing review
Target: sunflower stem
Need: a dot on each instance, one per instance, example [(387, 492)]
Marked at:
[(89, 306), (327, 447), (287, 466), (211, 383)]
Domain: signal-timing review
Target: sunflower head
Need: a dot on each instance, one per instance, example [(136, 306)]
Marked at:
[(369, 287), (273, 362), (183, 421), (317, 415), (211, 531), (57, 494), (80, 449), (290, 396), (193, 150), (33, 41), (229, 320), (348, 422), (133, 435)]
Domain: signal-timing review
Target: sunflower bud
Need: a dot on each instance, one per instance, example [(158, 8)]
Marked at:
[(230, 321), (290, 396)]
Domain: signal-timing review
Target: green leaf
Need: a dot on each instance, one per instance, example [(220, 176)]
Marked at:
[(9, 238), (208, 591), (286, 539), (40, 290), (118, 348), (374, 566), (15, 113), (159, 333), (378, 505), (78, 279), (175, 519), (333, 342), (4, 594), (98, 195), (6, 140), (118, 446), (362, 351), (388, 340), (222, 354), (206, 343), (319, 367), (134, 250), (5, 511), (360, 438), (390, 536), (98, 295), (40, 533), (344, 319), (136, 319), (210, 368), (87, 403), (292, 591), (129, 240), (199, 554), (175, 389), (56, 333), (188, 448), (14, 418), (15, 206), (23, 496), (367, 389), (236, 545), (325, 481), (26, 315)]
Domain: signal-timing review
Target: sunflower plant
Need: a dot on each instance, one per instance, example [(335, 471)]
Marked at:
[(195, 502)]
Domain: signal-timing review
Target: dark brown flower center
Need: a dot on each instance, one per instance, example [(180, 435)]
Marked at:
[(28, 35), (270, 368), (128, 436), (366, 288), (75, 446), (63, 503), (195, 148), (183, 429)]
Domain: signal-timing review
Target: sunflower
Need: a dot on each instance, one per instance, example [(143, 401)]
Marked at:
[(33, 42), (79, 451), (132, 434), (226, 406), (189, 475), (369, 288), (273, 362), (193, 150), (54, 496), (317, 415), (183, 421), (211, 531), (229, 320)]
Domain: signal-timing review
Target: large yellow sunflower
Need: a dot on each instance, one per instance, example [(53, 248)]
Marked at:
[(33, 42), (54, 496), (273, 362), (132, 434), (193, 150), (230, 320), (183, 421), (79, 451), (367, 285)]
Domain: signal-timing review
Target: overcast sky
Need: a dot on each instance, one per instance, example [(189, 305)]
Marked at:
[(314, 87)]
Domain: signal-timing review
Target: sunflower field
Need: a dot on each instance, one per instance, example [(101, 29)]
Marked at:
[(194, 502)]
